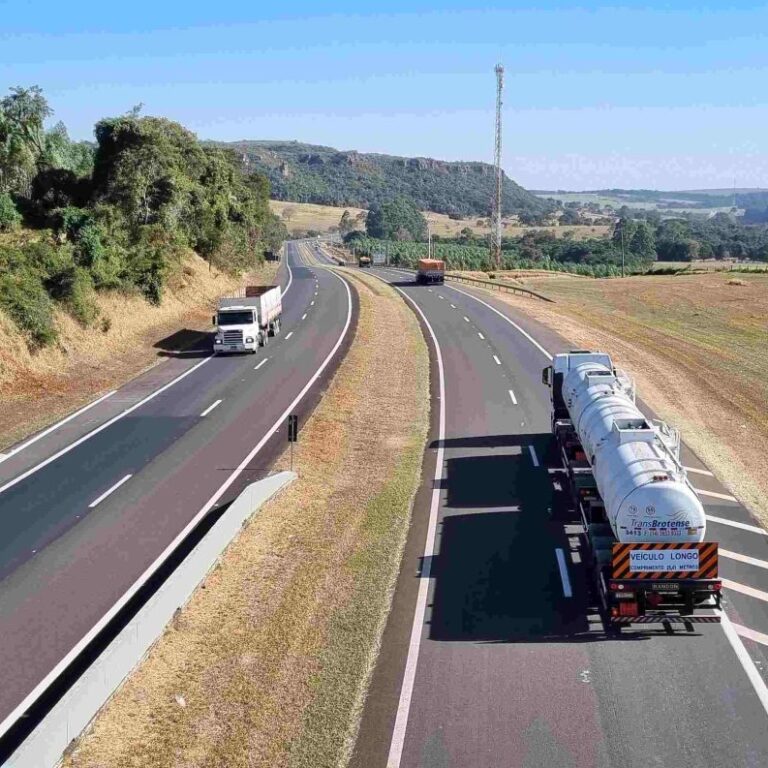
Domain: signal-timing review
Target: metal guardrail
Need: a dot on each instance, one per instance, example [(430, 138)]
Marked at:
[(502, 286)]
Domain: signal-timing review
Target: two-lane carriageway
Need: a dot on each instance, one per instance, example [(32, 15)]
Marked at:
[(90, 510), (495, 653)]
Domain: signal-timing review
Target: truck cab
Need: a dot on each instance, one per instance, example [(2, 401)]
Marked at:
[(237, 330)]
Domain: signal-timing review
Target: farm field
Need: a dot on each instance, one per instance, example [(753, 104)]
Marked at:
[(697, 346), (300, 217)]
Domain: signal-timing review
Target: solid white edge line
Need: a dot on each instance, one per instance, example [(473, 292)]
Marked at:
[(496, 359), (19, 448), (409, 676), (743, 589), (750, 634), (564, 577), (109, 492), (256, 367), (743, 558), (289, 336), (700, 472), (735, 524), (290, 274), (100, 428), (724, 496), (210, 408), (534, 457), (746, 660), (512, 395), (118, 605)]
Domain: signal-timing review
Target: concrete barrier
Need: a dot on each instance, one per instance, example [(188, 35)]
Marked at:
[(45, 746)]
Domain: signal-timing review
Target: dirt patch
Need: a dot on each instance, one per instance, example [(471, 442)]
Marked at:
[(129, 337), (697, 347), (269, 663)]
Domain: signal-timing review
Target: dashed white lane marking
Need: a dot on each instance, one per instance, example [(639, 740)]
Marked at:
[(210, 408), (745, 590), (512, 395), (724, 496), (304, 316), (256, 367), (534, 457), (312, 303), (734, 524), (430, 290), (289, 336), (453, 306), (466, 319), (743, 558), (100, 428), (750, 634), (440, 297), (480, 335), (561, 564), (699, 472), (104, 495), (498, 362)]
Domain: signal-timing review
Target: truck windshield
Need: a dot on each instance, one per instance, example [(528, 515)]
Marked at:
[(244, 317)]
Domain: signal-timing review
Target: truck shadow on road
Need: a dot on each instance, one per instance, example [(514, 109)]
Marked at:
[(186, 343), (496, 574)]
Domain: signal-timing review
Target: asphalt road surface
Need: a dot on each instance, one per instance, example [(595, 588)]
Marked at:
[(89, 507), (494, 653)]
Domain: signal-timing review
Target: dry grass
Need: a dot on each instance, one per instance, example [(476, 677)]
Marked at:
[(300, 217), (272, 658), (698, 348), (38, 388)]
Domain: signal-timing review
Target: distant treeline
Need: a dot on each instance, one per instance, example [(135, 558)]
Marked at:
[(115, 214)]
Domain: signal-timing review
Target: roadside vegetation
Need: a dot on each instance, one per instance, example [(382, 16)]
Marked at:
[(269, 663), (119, 214)]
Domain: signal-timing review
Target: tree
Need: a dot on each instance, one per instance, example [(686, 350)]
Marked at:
[(623, 233), (643, 243), (397, 219)]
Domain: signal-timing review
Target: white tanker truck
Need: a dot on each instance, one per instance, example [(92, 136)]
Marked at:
[(642, 521)]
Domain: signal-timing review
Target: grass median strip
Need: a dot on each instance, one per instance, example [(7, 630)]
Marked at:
[(269, 663)]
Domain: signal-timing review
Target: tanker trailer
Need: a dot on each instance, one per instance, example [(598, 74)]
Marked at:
[(643, 523)]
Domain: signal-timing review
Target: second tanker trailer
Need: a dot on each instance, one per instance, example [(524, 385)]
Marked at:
[(643, 523)]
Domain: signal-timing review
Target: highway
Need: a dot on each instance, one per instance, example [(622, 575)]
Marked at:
[(494, 653), (89, 508)]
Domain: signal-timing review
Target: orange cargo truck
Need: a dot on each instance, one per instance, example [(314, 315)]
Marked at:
[(430, 271)]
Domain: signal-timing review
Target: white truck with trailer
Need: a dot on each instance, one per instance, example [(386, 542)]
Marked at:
[(642, 521), (245, 323)]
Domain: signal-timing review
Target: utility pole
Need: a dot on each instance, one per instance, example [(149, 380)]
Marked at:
[(622, 248), (429, 239), (496, 234)]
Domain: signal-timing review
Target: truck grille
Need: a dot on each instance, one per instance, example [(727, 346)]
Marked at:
[(232, 337)]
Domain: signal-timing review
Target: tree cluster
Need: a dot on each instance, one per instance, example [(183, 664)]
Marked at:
[(116, 214)]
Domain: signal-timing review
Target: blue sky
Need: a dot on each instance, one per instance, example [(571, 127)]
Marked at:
[(662, 95)]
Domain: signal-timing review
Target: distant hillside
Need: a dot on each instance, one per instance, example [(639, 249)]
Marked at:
[(691, 198), (314, 174)]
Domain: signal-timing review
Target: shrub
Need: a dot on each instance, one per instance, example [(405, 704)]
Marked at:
[(10, 218), (24, 298)]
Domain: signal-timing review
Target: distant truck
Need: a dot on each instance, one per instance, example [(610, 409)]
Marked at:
[(364, 261), (642, 521), (245, 323), (430, 271)]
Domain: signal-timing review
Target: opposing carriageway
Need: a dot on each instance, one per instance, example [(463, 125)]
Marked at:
[(91, 507)]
